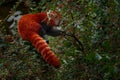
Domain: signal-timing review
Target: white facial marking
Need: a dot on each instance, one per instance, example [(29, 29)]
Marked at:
[(56, 21)]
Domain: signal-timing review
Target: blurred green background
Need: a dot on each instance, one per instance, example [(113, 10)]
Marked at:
[(91, 51)]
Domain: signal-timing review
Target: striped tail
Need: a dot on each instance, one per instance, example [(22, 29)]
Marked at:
[(40, 44)]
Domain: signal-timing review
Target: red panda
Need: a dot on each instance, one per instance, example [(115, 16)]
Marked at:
[(34, 27)]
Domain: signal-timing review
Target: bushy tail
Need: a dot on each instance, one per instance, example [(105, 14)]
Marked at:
[(40, 44)]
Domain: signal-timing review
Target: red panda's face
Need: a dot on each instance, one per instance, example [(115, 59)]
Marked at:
[(54, 17)]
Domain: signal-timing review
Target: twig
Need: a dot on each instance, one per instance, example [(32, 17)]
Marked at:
[(78, 41)]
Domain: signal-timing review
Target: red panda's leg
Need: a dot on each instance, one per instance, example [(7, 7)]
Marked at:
[(42, 33), (55, 32), (49, 30)]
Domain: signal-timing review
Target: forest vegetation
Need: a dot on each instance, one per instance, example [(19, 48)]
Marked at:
[(89, 51)]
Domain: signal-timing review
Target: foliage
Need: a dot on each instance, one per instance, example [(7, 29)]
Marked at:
[(89, 50)]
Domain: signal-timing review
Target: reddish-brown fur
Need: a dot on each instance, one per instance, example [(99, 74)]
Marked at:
[(29, 27)]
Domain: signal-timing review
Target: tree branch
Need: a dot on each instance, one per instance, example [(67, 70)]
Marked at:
[(77, 40)]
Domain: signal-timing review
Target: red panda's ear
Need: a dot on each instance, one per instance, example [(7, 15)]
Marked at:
[(49, 16)]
